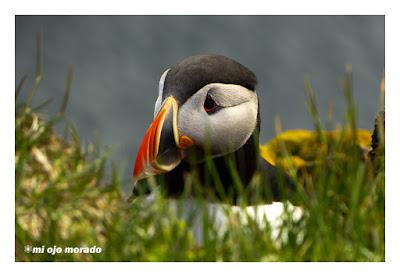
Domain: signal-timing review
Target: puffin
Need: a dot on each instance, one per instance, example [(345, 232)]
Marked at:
[(206, 127)]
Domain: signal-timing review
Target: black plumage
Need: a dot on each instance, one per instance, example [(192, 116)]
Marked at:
[(193, 73)]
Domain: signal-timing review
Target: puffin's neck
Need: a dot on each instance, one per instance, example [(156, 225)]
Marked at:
[(246, 158), (246, 162)]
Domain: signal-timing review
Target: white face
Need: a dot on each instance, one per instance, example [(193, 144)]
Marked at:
[(219, 117)]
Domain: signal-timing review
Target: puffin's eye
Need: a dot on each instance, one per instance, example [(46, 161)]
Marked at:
[(210, 106)]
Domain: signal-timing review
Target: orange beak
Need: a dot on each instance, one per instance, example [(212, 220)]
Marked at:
[(161, 149)]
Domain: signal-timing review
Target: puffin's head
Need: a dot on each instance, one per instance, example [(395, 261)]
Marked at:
[(206, 104)]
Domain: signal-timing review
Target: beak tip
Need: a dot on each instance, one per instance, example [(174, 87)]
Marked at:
[(135, 180), (139, 172)]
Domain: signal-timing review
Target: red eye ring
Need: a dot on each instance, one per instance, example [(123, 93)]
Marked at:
[(210, 105)]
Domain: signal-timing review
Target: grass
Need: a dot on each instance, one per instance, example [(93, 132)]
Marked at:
[(65, 199)]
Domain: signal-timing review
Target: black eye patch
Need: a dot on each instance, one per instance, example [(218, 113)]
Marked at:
[(210, 106)]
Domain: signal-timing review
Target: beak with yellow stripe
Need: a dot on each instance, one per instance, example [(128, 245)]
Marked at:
[(161, 149)]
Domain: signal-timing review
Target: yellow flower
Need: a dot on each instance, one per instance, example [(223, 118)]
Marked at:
[(301, 148)]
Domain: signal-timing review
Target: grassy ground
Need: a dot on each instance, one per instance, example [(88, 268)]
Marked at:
[(64, 198)]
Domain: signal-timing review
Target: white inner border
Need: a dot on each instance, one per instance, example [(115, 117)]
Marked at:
[(7, 141)]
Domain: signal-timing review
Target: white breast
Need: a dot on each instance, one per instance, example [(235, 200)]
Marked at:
[(222, 215)]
